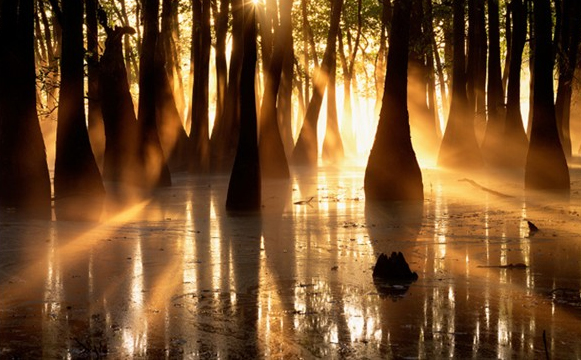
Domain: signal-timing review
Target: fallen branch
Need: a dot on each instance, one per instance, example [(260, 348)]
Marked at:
[(494, 192)]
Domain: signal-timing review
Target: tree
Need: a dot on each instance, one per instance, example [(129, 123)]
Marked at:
[(546, 165), (23, 168), (392, 171), (514, 132), (306, 148), (78, 187), (492, 148), (244, 192), (156, 172), (567, 59), (201, 44), (459, 148), (95, 118), (121, 132), (273, 162), (476, 64)]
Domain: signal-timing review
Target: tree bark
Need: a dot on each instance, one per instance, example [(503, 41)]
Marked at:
[(23, 168), (200, 132), (392, 171), (306, 149), (244, 188), (546, 165), (514, 131), (493, 149), (459, 148), (78, 187), (156, 171)]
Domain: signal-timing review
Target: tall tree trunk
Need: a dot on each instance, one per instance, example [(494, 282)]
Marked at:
[(306, 149), (201, 43), (170, 42), (514, 132), (95, 118), (221, 31), (225, 134), (78, 187), (422, 122), (244, 189), (332, 143), (476, 66), (285, 105), (459, 148), (492, 148), (392, 171), (156, 171), (121, 133), (273, 162), (571, 30), (508, 37), (546, 165), (23, 168), (431, 51)]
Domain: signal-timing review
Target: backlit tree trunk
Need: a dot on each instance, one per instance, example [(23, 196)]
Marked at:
[(392, 171), (493, 149), (156, 172), (546, 165), (514, 131), (332, 143), (78, 186), (23, 168), (306, 149), (244, 189), (459, 148), (273, 162)]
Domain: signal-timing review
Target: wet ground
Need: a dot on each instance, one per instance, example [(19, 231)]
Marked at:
[(178, 277)]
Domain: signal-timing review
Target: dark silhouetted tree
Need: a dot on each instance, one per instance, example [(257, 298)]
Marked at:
[(156, 172), (78, 187), (23, 168), (95, 118), (459, 148), (392, 171), (567, 59), (493, 149), (514, 131), (546, 165), (244, 189), (225, 134), (201, 44), (121, 132)]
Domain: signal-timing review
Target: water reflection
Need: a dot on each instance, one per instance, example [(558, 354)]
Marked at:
[(177, 277)]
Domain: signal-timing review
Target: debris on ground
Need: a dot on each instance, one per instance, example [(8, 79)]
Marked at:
[(393, 268)]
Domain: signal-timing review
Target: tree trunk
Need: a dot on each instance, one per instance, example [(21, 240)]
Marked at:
[(225, 134), (392, 171), (151, 154), (493, 149), (285, 105), (571, 29), (546, 165), (514, 132), (332, 143), (201, 43), (78, 187), (273, 162), (23, 168), (459, 148), (95, 118), (244, 189), (221, 31), (306, 149), (121, 133), (476, 66)]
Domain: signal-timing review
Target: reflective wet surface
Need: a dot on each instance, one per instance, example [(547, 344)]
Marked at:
[(178, 277)]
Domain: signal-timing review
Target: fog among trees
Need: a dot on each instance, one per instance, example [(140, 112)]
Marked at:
[(101, 96)]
